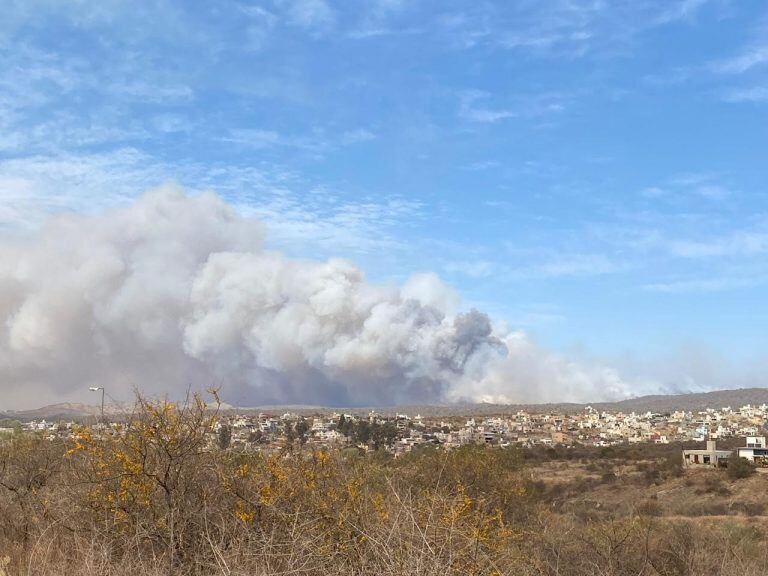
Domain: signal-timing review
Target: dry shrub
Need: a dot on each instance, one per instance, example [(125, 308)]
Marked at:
[(152, 495), (157, 496), (649, 507), (749, 508), (713, 484)]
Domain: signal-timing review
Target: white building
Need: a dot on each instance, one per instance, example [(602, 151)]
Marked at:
[(755, 451)]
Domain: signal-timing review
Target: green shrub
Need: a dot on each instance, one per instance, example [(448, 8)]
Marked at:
[(739, 468)]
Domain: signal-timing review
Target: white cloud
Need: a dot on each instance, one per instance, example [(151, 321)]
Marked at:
[(713, 192), (317, 143), (254, 137), (311, 14), (261, 24), (563, 28), (149, 91), (753, 94), (704, 285), (543, 266), (376, 19), (486, 115), (471, 106), (482, 165), (704, 185), (652, 192), (743, 62), (681, 10), (575, 265), (473, 269), (356, 136), (302, 218), (741, 244)]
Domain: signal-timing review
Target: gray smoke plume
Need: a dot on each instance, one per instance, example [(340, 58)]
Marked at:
[(175, 292)]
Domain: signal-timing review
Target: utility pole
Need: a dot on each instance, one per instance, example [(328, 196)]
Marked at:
[(96, 389)]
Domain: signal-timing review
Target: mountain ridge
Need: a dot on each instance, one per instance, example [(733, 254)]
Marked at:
[(654, 403)]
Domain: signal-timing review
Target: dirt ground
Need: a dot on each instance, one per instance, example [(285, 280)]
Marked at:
[(619, 489)]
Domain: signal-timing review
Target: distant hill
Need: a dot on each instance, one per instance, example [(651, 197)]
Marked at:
[(63, 411), (74, 411), (697, 401), (655, 403)]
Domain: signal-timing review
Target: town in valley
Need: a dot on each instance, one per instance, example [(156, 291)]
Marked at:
[(399, 432)]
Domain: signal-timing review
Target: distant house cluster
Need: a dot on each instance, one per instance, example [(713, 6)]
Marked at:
[(398, 432)]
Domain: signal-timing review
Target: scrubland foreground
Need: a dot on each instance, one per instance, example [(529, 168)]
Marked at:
[(158, 498)]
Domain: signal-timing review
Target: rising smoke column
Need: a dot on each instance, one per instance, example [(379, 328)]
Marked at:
[(175, 291)]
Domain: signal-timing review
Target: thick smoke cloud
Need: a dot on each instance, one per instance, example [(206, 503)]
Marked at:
[(175, 292)]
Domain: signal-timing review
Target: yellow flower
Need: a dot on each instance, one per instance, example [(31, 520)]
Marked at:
[(246, 517)]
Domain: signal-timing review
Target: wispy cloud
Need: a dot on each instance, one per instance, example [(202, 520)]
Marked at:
[(317, 142), (564, 28), (753, 94), (473, 106), (681, 10), (377, 19), (481, 165), (487, 115), (356, 136), (260, 25), (574, 265), (713, 191), (735, 244), (311, 14), (473, 269), (743, 62), (704, 285), (150, 91), (256, 138), (302, 217), (470, 108), (653, 192), (538, 267), (703, 185)]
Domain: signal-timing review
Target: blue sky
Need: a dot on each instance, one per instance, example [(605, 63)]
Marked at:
[(592, 172)]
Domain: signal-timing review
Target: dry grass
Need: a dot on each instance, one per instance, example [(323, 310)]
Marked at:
[(157, 499)]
